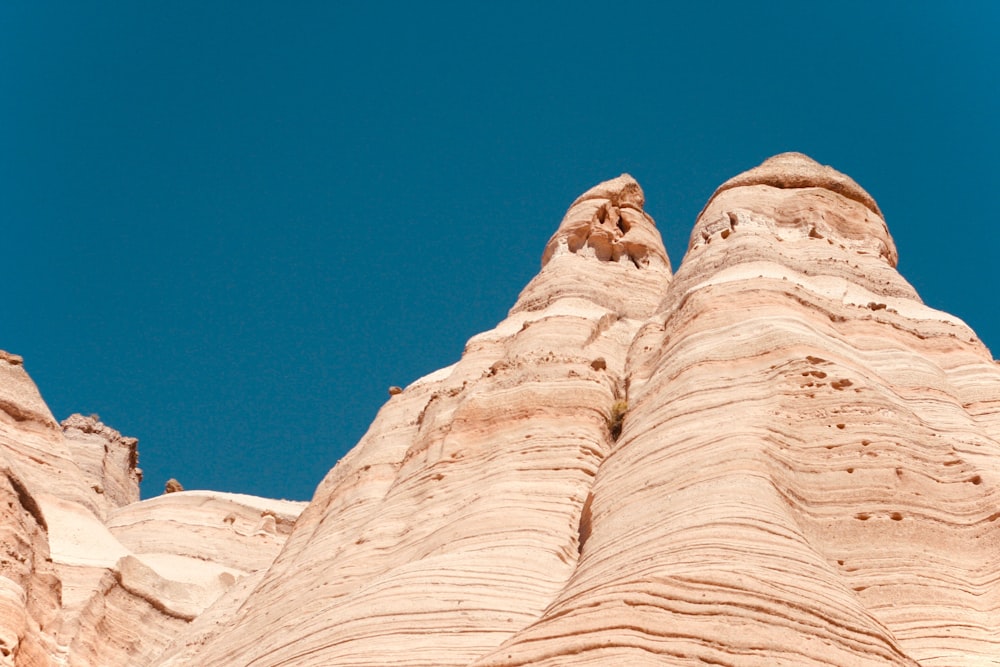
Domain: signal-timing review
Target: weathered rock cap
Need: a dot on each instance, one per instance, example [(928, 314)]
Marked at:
[(608, 222), (795, 170), (621, 191)]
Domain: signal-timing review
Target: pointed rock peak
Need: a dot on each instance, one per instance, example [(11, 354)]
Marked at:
[(792, 197), (795, 170), (607, 222), (19, 397), (622, 191)]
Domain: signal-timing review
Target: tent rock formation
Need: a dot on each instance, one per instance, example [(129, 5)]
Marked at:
[(776, 456)]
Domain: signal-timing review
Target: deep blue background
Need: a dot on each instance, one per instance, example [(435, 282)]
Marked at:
[(228, 228)]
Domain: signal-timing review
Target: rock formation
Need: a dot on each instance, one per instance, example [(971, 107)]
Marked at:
[(89, 575), (776, 456), (107, 459)]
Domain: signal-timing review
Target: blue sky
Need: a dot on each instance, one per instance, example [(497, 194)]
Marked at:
[(229, 227)]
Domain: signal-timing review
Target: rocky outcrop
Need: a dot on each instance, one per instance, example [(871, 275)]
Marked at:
[(809, 469), (776, 456), (461, 508), (165, 561), (91, 576), (29, 590), (19, 397), (107, 459)]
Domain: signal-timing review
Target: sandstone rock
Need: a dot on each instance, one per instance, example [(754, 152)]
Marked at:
[(786, 459), (593, 255), (108, 460), (778, 455), (207, 526), (175, 556), (172, 486), (461, 507), (32, 442), (19, 397), (29, 590), (74, 592), (801, 479), (797, 171)]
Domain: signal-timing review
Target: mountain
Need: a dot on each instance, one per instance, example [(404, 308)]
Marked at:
[(777, 455)]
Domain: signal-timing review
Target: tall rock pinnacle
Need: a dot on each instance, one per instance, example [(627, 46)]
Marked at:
[(809, 468), (462, 506), (606, 250), (776, 456)]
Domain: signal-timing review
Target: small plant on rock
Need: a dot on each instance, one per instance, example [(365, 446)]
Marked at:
[(616, 417)]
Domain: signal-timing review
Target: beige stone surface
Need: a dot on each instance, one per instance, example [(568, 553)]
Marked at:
[(19, 397), (776, 456), (809, 468), (90, 576), (165, 561), (455, 521), (29, 589), (108, 460), (806, 472)]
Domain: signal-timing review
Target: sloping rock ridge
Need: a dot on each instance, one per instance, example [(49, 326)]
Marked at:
[(89, 575), (777, 455)]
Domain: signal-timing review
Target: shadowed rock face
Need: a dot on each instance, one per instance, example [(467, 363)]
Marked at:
[(777, 455)]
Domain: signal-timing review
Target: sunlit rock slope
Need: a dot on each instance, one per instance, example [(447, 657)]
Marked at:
[(89, 575), (777, 455)]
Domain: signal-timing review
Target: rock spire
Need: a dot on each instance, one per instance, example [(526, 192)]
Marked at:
[(776, 455)]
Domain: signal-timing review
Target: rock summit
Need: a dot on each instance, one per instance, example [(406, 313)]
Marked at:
[(777, 455)]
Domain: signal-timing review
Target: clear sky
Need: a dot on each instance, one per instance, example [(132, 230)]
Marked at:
[(228, 227)]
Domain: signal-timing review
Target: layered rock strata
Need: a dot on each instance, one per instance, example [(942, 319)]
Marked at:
[(806, 471), (809, 468), (91, 576), (776, 456), (108, 460), (456, 520)]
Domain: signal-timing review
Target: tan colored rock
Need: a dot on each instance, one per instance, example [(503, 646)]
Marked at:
[(74, 592), (802, 478), (608, 224), (19, 397), (29, 590), (798, 171), (108, 460), (172, 486), (461, 507), (171, 558), (777, 456), (796, 462), (32, 442), (208, 526)]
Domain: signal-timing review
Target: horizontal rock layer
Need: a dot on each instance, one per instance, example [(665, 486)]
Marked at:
[(91, 576), (776, 456)]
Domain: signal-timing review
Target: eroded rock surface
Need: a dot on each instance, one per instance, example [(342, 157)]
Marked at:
[(90, 576), (461, 508), (108, 460), (809, 468), (776, 456)]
